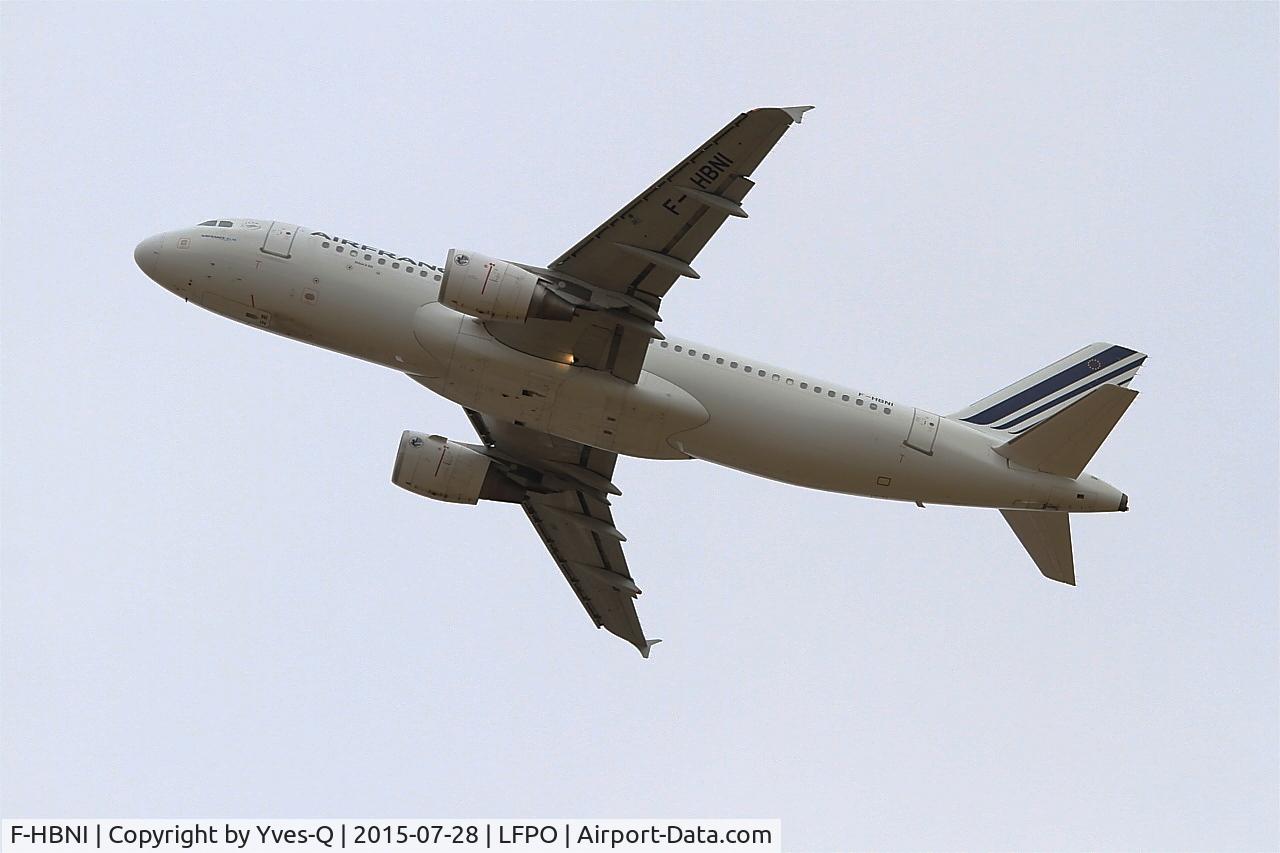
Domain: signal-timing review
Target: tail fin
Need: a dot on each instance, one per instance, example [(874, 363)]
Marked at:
[(1047, 538), (1065, 442), (1046, 392)]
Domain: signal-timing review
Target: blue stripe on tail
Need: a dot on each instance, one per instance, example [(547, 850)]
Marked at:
[(1054, 383), (1073, 393)]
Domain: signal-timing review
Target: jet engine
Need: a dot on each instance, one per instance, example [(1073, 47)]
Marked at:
[(489, 289), (435, 467)]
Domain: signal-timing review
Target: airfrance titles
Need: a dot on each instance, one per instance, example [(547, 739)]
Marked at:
[(353, 244)]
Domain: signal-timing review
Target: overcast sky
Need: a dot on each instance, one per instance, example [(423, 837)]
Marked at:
[(215, 603)]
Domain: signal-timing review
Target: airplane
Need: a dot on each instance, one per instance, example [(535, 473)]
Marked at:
[(562, 368)]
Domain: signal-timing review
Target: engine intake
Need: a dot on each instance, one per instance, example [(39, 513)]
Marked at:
[(435, 467), (490, 289)]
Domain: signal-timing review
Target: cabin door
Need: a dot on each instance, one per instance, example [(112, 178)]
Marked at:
[(279, 240), (923, 432)]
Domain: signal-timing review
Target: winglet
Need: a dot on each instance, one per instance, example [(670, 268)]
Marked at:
[(649, 644), (796, 113)]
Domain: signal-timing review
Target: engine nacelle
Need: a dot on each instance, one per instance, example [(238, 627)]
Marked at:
[(435, 467), (490, 289)]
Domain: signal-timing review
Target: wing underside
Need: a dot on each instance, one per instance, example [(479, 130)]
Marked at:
[(575, 522), (642, 249), (626, 265)]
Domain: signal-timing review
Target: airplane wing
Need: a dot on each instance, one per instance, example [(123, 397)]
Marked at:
[(575, 524), (642, 249), (630, 262)]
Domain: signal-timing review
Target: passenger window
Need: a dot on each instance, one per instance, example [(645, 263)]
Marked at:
[(678, 348), (324, 245), (831, 393), (817, 389), (368, 257), (859, 401), (804, 385), (747, 368), (734, 365), (693, 352), (760, 372), (664, 344), (873, 407), (706, 357), (719, 361), (382, 261), (395, 266), (354, 253), (844, 397), (887, 411), (339, 248), (790, 381), (775, 377), (423, 274), (409, 270)]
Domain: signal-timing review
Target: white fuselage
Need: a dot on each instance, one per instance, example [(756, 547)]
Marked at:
[(690, 401)]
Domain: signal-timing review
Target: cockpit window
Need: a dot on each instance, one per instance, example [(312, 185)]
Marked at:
[(207, 222), (225, 223)]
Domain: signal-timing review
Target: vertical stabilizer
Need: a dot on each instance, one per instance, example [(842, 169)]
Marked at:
[(1027, 402), (1047, 538)]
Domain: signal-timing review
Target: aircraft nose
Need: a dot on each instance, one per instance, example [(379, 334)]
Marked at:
[(147, 254)]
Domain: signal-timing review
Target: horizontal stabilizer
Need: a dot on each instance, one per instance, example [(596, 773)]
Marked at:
[(1047, 538), (1064, 443)]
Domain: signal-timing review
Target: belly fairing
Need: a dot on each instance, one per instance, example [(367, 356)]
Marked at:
[(577, 403)]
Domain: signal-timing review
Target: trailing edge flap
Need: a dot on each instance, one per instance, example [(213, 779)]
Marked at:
[(1066, 442), (1047, 538)]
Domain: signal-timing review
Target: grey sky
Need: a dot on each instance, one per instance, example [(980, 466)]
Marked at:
[(216, 604)]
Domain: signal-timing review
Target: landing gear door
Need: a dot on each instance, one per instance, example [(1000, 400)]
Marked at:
[(279, 240), (923, 432)]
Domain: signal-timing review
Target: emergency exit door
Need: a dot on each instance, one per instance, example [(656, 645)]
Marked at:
[(923, 432), (279, 241)]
